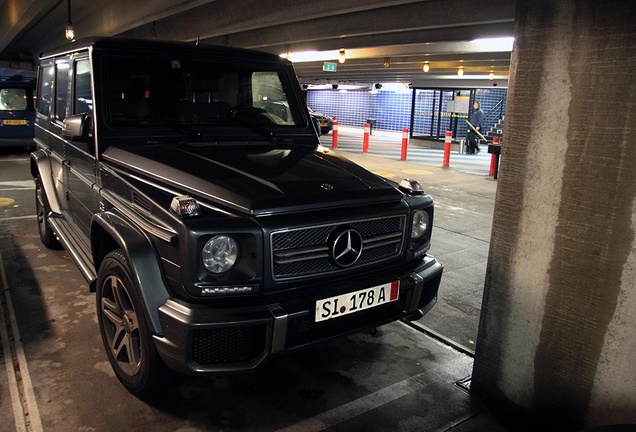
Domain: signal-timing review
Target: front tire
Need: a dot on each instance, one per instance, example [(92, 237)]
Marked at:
[(125, 332)]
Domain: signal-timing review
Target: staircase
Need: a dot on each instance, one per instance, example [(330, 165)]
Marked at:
[(495, 117), (496, 131)]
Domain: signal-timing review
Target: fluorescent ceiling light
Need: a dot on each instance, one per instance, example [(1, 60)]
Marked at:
[(319, 87), (340, 87), (495, 44), (308, 56), (463, 77), (396, 87)]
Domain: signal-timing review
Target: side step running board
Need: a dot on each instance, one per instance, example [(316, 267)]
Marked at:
[(77, 248)]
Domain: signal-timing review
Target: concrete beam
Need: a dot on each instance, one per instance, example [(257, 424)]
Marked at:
[(252, 23), (454, 34), (33, 27), (409, 68), (18, 15), (30, 28)]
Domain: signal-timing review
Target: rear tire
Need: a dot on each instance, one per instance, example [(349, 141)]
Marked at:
[(42, 210), (125, 332)]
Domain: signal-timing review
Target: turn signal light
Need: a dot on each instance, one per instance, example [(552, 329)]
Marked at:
[(185, 206), (411, 187)]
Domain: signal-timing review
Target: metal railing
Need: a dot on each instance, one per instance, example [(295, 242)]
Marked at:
[(496, 113)]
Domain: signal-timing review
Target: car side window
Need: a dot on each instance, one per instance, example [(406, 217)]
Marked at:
[(45, 92), (61, 89), (268, 94), (83, 97)]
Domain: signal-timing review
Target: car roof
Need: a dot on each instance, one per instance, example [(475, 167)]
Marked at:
[(17, 84), (124, 45)]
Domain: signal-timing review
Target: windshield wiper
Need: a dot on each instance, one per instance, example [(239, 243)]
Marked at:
[(193, 134), (196, 135), (255, 128)]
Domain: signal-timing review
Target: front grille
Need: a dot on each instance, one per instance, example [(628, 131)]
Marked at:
[(305, 252), (304, 330), (227, 344)]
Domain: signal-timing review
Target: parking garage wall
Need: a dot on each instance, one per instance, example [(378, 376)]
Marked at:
[(391, 109)]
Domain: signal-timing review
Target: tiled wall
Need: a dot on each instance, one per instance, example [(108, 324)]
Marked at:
[(392, 110)]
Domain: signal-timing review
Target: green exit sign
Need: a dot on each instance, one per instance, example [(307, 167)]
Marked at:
[(329, 67)]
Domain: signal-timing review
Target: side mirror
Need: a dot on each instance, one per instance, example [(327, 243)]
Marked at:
[(78, 127), (316, 124)]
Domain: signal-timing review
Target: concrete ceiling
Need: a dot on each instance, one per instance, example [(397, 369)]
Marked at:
[(403, 34)]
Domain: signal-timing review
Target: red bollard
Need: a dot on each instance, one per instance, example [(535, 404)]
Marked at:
[(405, 143), (365, 145), (493, 157), (447, 148), (334, 137)]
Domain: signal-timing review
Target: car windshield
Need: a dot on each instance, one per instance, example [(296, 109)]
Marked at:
[(198, 95)]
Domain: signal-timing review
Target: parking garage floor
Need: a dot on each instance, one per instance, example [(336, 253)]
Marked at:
[(404, 377), (388, 144)]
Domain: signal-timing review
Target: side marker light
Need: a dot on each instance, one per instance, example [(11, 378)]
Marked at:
[(185, 206)]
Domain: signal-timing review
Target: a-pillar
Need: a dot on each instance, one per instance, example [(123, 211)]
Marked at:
[(557, 337)]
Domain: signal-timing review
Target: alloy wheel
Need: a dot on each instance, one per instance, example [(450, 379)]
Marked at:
[(121, 325)]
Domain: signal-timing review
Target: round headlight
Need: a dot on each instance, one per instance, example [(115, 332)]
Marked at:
[(420, 224), (219, 254)]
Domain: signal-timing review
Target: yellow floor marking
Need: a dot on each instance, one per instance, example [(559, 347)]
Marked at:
[(418, 172), (6, 201)]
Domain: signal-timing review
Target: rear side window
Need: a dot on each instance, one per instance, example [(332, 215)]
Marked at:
[(83, 90), (45, 92), (13, 100), (61, 90)]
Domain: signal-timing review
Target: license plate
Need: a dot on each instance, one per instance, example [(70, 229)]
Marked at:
[(345, 304), (14, 122), (324, 124)]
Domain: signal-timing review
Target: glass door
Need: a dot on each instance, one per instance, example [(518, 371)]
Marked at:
[(436, 111)]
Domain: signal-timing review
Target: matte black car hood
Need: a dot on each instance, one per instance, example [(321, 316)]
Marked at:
[(256, 179)]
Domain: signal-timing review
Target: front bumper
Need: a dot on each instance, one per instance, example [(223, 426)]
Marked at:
[(200, 339)]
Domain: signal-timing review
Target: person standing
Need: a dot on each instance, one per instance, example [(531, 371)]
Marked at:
[(476, 120)]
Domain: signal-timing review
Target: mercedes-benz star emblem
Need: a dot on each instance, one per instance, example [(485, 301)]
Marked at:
[(347, 247), (326, 186)]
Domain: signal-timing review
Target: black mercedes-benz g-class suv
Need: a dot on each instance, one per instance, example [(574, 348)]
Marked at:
[(188, 184)]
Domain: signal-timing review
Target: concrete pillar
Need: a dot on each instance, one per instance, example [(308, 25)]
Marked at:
[(557, 336)]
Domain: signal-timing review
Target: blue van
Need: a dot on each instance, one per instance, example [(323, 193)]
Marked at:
[(17, 113)]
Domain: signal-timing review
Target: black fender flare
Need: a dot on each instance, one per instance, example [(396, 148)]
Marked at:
[(41, 166), (142, 257)]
